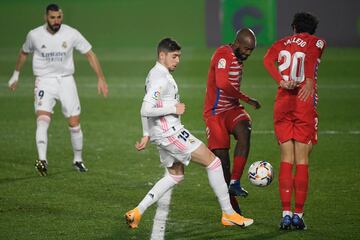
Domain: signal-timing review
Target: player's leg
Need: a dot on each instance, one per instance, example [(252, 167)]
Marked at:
[(42, 124), (242, 133), (223, 154), (205, 157), (219, 142), (301, 182), (45, 95), (70, 104), (286, 182), (174, 176), (76, 136)]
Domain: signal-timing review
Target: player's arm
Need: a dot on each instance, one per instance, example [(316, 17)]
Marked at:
[(141, 144), (222, 65), (312, 60), (95, 65), (153, 106), (19, 64)]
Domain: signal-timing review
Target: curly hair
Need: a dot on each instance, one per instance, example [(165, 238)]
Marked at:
[(304, 22)]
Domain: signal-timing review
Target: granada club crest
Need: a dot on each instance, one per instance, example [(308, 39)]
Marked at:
[(64, 45)]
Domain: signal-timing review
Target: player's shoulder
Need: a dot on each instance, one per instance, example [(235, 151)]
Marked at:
[(317, 42), (158, 73), (37, 30), (68, 28), (223, 50)]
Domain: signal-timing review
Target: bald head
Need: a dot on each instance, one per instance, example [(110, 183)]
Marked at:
[(244, 44)]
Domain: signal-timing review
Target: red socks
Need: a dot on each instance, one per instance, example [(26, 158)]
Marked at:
[(238, 167), (285, 185), (301, 181)]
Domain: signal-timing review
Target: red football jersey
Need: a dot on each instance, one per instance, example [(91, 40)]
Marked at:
[(297, 57), (223, 84)]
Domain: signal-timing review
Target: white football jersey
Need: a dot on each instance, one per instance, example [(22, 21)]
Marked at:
[(162, 91), (53, 53)]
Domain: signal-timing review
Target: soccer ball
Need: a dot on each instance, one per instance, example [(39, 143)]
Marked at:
[(261, 173)]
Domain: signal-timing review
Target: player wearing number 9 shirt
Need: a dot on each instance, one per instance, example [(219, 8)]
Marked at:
[(52, 46), (293, 62)]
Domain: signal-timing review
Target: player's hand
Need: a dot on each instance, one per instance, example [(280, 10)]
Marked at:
[(307, 90), (291, 84), (14, 80), (102, 87), (141, 145), (180, 108), (255, 103)]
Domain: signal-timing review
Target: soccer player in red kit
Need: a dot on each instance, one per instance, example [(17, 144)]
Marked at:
[(293, 63), (223, 113)]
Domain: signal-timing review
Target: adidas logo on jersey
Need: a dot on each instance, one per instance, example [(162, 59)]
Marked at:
[(43, 46)]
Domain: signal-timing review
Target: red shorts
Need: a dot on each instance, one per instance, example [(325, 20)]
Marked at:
[(295, 119), (219, 127)]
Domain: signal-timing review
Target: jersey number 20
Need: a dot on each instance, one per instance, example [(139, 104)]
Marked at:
[(295, 63)]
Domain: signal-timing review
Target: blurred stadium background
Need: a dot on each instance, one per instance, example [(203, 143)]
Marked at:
[(124, 35)]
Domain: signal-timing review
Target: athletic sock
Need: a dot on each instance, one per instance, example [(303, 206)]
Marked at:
[(42, 125), (301, 186), (285, 185), (284, 213), (76, 142), (238, 167), (159, 189), (217, 182)]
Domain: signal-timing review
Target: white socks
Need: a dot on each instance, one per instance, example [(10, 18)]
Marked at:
[(159, 189), (284, 213), (76, 142), (220, 188), (42, 125)]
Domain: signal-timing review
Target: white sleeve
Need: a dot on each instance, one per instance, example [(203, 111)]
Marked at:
[(81, 44), (145, 126), (150, 110), (28, 44)]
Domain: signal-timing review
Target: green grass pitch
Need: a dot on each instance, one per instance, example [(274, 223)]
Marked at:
[(70, 205)]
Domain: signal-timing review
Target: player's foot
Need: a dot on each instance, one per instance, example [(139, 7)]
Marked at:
[(80, 166), (41, 167), (285, 223), (132, 218), (235, 219), (298, 222), (235, 189)]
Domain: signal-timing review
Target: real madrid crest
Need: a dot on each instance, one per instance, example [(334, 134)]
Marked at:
[(64, 45)]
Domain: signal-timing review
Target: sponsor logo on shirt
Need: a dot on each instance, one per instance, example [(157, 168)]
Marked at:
[(222, 63)]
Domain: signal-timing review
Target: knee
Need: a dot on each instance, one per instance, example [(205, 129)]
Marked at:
[(74, 121), (176, 178)]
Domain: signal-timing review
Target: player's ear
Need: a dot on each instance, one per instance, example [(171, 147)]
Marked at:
[(161, 56)]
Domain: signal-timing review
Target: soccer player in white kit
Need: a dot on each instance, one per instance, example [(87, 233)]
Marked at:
[(160, 114), (52, 47)]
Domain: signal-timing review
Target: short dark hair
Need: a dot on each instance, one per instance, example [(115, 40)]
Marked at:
[(304, 22), (52, 7), (168, 45)]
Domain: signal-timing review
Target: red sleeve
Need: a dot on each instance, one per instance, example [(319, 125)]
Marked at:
[(222, 68), (270, 58), (312, 56)]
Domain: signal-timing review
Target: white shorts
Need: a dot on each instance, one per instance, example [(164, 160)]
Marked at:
[(177, 148), (49, 89)]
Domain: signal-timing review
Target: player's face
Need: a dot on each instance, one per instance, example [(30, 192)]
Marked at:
[(244, 50), (171, 60), (54, 20)]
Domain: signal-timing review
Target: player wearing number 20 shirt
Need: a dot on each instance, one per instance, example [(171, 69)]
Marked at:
[(297, 57)]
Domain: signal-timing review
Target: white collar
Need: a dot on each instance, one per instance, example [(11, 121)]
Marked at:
[(161, 67)]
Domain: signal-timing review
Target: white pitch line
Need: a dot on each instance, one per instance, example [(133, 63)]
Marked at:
[(271, 132)]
